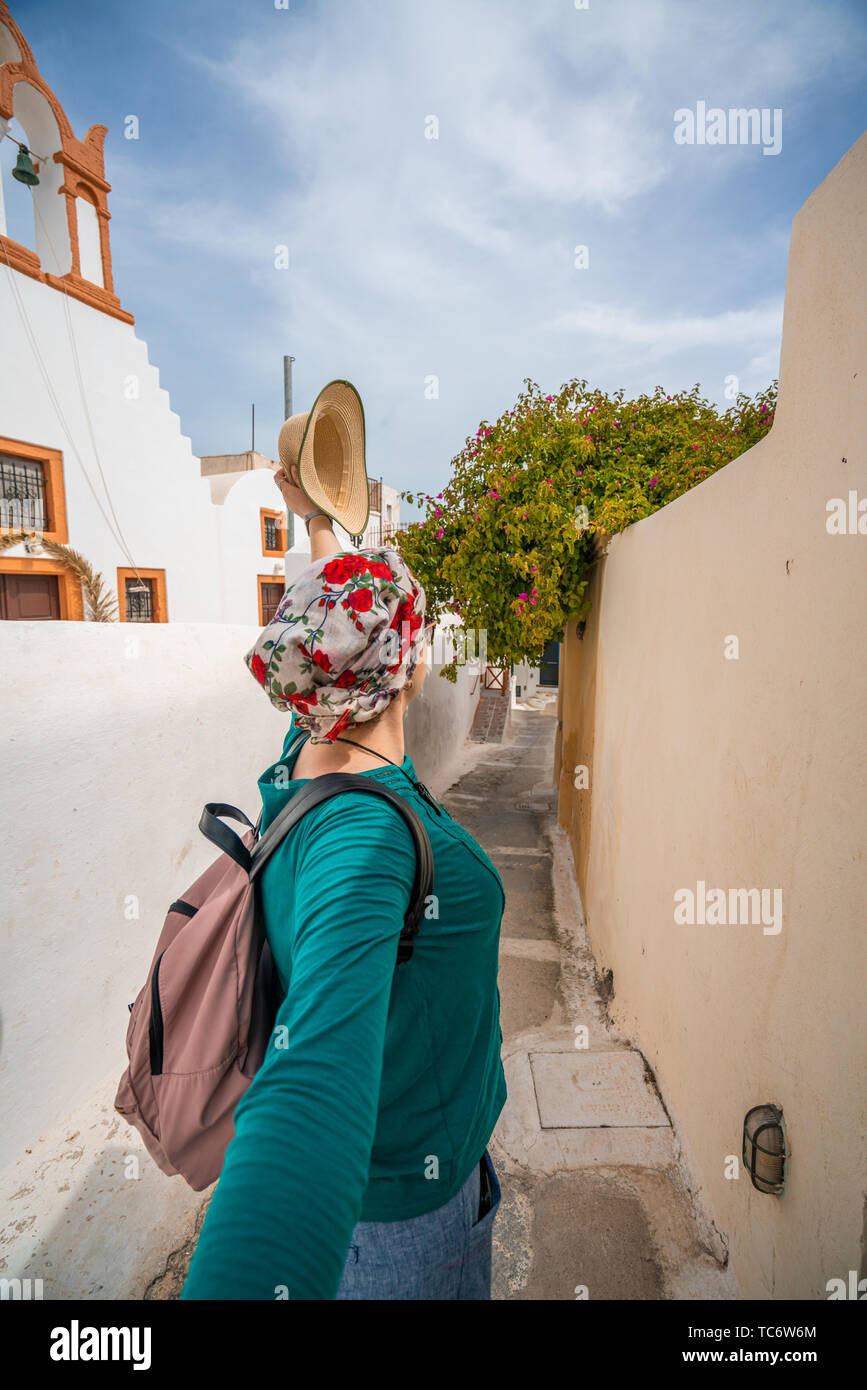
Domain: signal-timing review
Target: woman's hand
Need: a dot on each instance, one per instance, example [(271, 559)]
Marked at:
[(323, 541), (296, 500)]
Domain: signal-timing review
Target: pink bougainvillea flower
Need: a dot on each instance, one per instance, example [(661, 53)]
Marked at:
[(439, 533)]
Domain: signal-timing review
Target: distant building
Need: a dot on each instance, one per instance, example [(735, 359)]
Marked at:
[(384, 520), (92, 457)]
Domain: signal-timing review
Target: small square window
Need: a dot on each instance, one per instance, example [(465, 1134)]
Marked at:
[(139, 595), (22, 494), (273, 528)]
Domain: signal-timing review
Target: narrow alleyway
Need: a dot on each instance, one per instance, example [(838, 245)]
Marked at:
[(594, 1202)]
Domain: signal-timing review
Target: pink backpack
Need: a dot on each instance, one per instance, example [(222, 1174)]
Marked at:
[(200, 1027)]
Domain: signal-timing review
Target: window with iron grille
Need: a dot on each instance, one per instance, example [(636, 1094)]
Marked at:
[(374, 492), (272, 533), (22, 493), (139, 594)]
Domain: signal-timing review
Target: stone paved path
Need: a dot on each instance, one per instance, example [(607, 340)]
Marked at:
[(595, 1203), (491, 716)]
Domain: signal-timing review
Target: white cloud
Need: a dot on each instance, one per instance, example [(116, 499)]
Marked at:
[(454, 256), (675, 334)]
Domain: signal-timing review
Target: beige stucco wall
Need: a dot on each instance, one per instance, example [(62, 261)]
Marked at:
[(747, 773)]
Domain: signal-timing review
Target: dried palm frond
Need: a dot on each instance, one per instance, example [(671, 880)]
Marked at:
[(99, 602)]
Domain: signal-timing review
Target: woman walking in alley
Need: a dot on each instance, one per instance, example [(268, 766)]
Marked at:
[(359, 1167)]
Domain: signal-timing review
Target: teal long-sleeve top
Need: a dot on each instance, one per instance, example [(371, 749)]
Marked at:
[(383, 1083)]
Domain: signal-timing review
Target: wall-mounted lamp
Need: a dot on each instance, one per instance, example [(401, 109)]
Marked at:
[(764, 1149)]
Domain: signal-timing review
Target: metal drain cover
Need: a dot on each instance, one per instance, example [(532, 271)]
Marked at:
[(590, 1090)]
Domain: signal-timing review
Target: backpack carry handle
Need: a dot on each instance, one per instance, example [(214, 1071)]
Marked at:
[(220, 834), (330, 784)]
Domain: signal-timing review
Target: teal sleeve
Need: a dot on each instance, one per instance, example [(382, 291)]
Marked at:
[(291, 1190)]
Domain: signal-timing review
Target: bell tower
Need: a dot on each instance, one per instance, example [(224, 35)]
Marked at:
[(70, 199)]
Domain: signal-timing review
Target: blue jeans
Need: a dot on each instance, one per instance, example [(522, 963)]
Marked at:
[(444, 1254)]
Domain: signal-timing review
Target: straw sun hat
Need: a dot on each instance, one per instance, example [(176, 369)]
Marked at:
[(327, 445)]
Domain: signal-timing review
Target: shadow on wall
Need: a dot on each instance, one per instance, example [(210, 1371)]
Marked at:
[(438, 722), (88, 1214)]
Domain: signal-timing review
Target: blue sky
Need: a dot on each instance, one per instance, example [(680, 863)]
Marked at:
[(410, 257)]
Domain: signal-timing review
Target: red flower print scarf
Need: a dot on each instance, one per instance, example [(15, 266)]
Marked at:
[(343, 642)]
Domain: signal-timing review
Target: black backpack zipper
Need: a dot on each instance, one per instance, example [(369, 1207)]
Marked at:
[(155, 1030)]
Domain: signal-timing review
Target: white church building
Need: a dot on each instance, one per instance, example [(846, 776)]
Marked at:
[(94, 465)]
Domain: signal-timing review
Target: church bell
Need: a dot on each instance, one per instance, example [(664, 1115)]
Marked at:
[(24, 171)]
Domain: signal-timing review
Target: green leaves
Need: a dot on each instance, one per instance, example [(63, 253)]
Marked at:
[(508, 512)]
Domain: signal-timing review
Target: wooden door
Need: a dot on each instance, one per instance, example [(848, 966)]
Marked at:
[(29, 597), (269, 597)]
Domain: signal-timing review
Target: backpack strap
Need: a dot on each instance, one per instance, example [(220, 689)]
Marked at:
[(221, 836), (320, 789), (224, 838)]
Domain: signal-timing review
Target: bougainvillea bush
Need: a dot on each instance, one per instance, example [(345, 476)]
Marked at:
[(507, 545)]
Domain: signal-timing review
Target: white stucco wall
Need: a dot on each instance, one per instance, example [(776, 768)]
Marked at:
[(237, 520), (161, 501), (212, 554), (527, 677), (159, 497), (107, 765), (106, 768), (439, 719)]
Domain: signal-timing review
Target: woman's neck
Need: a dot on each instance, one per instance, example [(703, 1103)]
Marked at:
[(384, 735)]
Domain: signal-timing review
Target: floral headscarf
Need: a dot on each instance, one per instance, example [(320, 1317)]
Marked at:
[(346, 637)]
